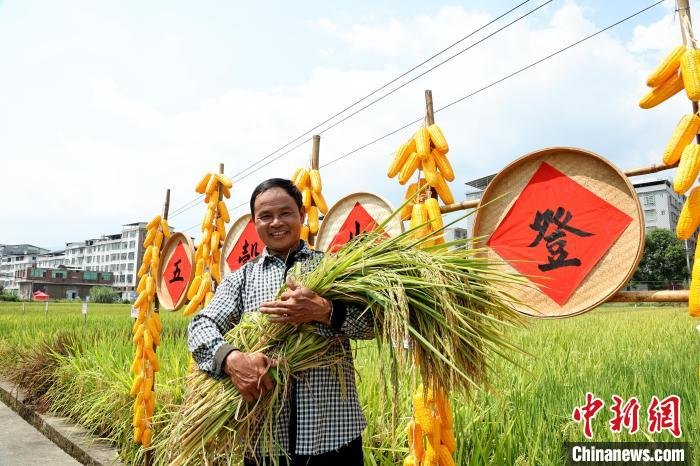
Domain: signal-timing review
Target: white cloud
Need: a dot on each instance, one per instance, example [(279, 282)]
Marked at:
[(115, 167)]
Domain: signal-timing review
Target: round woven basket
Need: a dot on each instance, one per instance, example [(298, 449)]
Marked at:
[(164, 299), (377, 207), (600, 177)]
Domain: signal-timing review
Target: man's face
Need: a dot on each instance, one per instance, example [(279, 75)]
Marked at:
[(278, 220)]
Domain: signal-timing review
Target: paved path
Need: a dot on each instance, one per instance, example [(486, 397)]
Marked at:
[(23, 445)]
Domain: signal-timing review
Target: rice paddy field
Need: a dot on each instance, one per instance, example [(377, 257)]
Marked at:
[(80, 368)]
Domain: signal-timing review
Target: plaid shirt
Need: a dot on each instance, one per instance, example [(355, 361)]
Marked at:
[(325, 419)]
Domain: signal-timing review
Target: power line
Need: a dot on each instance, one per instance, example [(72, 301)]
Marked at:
[(535, 63), (347, 117), (494, 83), (190, 204)]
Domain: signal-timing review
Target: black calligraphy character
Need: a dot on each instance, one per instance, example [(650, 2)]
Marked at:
[(177, 273), (357, 230), (254, 250), (245, 255), (555, 241)]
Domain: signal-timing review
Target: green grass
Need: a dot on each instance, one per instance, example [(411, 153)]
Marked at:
[(523, 419)]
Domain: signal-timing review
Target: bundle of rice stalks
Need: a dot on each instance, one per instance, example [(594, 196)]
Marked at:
[(445, 298), (215, 423)]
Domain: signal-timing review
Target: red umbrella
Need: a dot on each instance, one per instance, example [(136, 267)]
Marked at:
[(40, 296)]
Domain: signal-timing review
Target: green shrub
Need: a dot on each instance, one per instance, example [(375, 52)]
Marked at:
[(103, 294)]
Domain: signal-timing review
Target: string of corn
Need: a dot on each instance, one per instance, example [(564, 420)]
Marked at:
[(207, 276), (146, 333), (432, 424), (308, 181), (681, 69)]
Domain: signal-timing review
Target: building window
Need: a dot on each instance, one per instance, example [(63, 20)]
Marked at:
[(131, 256), (132, 244), (130, 278), (650, 215), (649, 200), (89, 276), (130, 266)]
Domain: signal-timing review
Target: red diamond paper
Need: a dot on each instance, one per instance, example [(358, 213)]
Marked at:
[(556, 232), (247, 247), (176, 272), (358, 221)]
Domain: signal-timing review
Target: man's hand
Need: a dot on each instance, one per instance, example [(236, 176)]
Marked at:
[(298, 305), (248, 372)]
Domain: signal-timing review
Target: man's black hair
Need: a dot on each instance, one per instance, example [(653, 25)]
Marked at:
[(287, 185)]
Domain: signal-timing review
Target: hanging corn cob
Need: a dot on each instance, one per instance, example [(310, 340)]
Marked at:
[(432, 418), (690, 71), (688, 169), (215, 187), (664, 91), (146, 332), (310, 185), (667, 68)]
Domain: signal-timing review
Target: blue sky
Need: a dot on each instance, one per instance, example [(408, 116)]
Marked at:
[(103, 105)]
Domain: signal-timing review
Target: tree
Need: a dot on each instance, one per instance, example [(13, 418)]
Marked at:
[(103, 294), (663, 262)]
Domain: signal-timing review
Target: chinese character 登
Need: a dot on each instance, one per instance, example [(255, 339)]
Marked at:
[(555, 241), (626, 415), (177, 273), (665, 415), (587, 412)]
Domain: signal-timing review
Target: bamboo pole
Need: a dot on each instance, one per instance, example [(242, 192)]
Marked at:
[(314, 161), (663, 296)]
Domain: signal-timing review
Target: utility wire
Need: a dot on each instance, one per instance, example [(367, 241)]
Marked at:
[(494, 83), (193, 202)]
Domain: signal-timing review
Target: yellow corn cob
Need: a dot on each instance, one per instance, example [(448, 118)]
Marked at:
[(444, 409), (690, 71), (447, 438), (223, 211), (444, 456), (429, 169), (139, 333), (136, 365), (443, 190), (211, 185), (199, 268), (215, 269), (688, 169), (158, 241), (435, 434), (665, 90), (409, 168), (443, 165), (302, 180), (438, 139), (683, 135), (433, 209), (202, 185), (191, 308), (226, 192), (296, 174), (319, 201), (164, 226), (220, 227), (146, 438), (304, 233), (419, 216), (401, 156), (208, 298), (417, 441), (139, 413), (431, 457), (136, 385), (306, 197), (313, 219), (150, 236), (694, 299), (143, 296), (421, 413), (689, 219), (410, 460), (194, 287), (214, 242), (155, 221), (666, 68), (138, 431), (422, 138), (142, 284), (224, 180), (315, 178)]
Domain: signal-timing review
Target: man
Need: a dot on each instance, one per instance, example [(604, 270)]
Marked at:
[(318, 425)]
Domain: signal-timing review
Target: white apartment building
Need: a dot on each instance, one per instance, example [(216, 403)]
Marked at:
[(119, 253), (14, 257)]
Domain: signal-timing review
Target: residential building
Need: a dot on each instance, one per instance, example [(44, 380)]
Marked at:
[(15, 257), (119, 253), (59, 283)]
